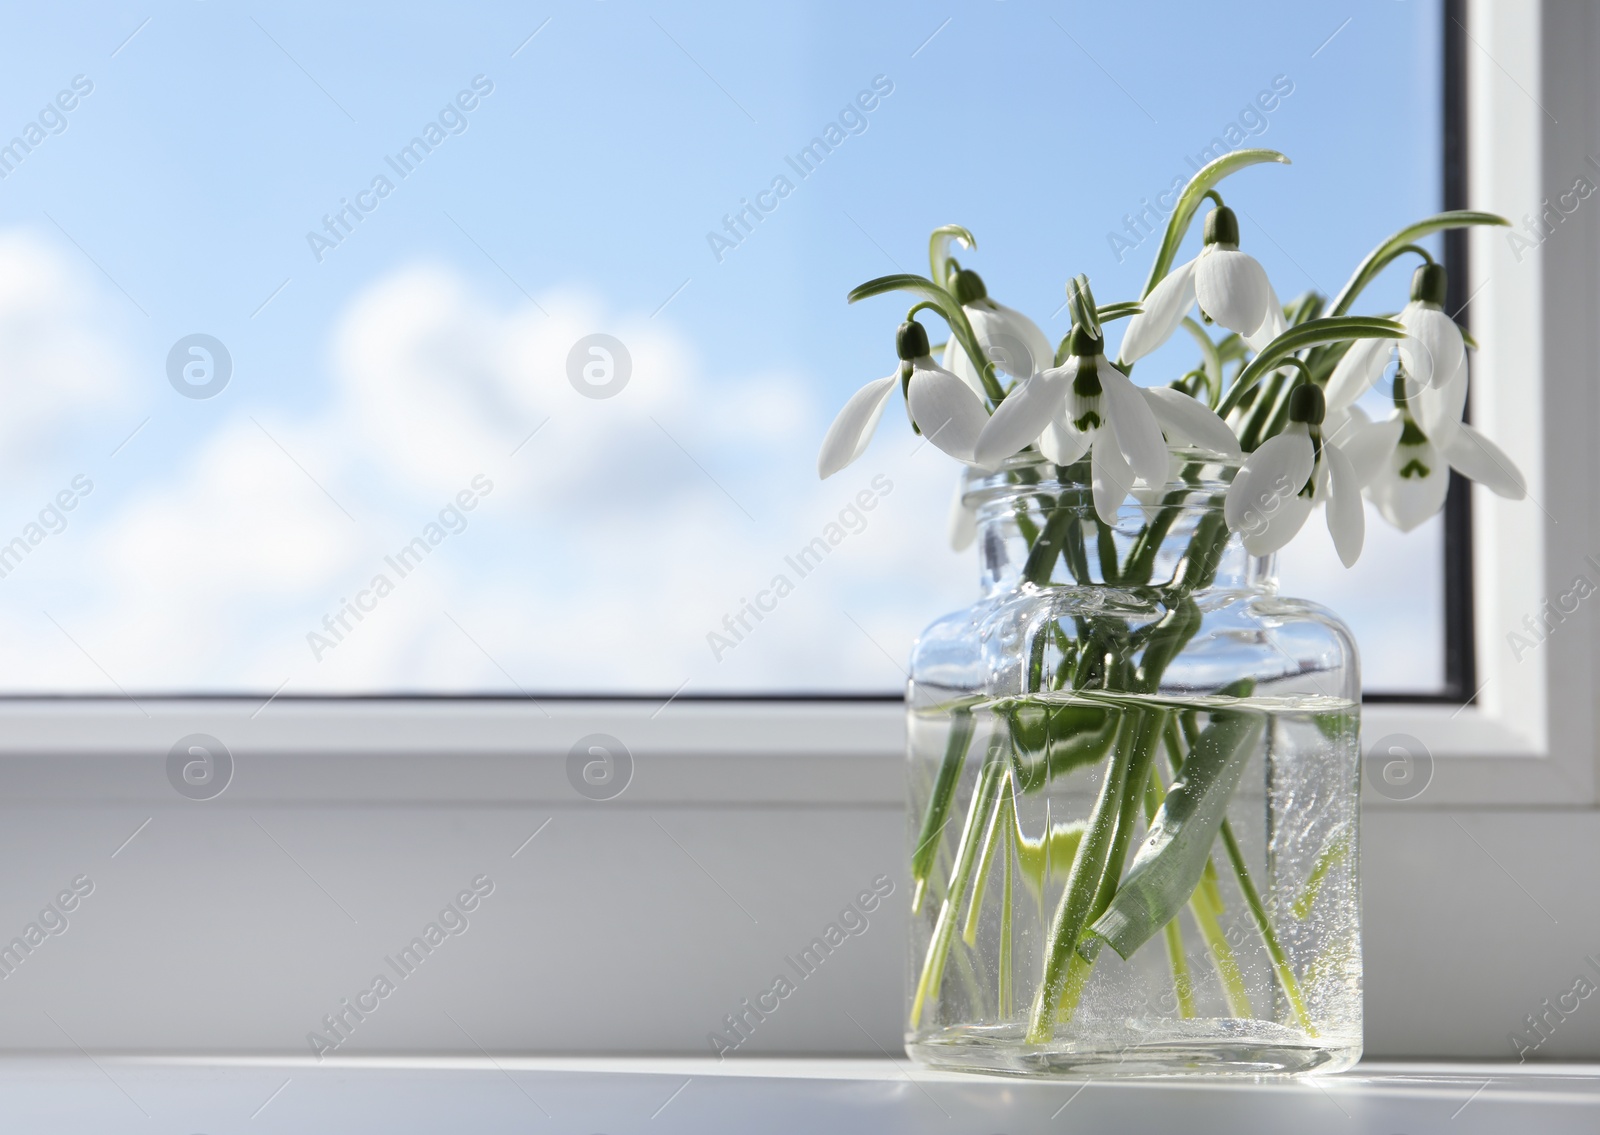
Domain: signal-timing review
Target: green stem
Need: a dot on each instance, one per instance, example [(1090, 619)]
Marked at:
[(1004, 997), (1280, 960), (1182, 983), (1083, 885), (1041, 562), (1207, 909), (962, 728), (991, 838), (944, 927), (1263, 411), (1331, 857), (1146, 738), (1072, 989)]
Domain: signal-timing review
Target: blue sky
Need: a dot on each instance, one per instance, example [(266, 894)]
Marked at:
[(370, 386)]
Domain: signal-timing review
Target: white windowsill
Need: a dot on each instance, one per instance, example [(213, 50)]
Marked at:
[(685, 752)]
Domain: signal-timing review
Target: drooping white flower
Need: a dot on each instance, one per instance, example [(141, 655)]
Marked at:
[(1086, 405), (1433, 352), (1405, 469), (1012, 341), (1279, 485), (1230, 286), (943, 407), (1271, 327)]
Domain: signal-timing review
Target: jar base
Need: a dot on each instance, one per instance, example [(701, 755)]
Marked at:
[(1222, 1047)]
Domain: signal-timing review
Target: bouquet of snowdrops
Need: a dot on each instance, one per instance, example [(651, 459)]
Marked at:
[(1279, 391), (1272, 399)]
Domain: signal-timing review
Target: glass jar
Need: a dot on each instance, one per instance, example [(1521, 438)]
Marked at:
[(1134, 789)]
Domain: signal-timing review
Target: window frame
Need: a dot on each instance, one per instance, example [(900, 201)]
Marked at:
[(1525, 733), (1512, 733)]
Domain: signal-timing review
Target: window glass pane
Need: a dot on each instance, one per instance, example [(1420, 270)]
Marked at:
[(371, 349)]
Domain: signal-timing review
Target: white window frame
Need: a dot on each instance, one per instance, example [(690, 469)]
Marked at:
[(1528, 738)]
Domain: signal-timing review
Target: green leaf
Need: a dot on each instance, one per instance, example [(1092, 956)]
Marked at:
[(1118, 311), (1378, 259), (1189, 202), (1081, 300), (939, 247), (1312, 333), (906, 282), (1172, 859), (1307, 305)]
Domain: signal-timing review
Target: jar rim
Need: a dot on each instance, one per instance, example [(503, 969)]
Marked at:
[(1030, 472)]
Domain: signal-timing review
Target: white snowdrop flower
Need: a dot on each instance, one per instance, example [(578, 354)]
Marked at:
[(1013, 342), (1086, 405), (1230, 286), (1405, 466), (1279, 485), (1433, 352), (943, 407)]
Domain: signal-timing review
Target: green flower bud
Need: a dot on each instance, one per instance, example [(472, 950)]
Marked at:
[(1222, 227), (1306, 404), (968, 287), (911, 341), (1428, 284)]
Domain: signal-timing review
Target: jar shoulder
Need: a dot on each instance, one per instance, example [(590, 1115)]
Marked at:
[(1216, 637)]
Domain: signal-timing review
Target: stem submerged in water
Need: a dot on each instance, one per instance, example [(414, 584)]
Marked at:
[(983, 796), (1083, 887), (1280, 960), (962, 728)]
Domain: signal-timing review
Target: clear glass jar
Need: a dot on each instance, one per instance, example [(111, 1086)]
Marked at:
[(1134, 789)]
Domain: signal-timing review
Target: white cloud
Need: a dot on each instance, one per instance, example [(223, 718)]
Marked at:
[(609, 547)]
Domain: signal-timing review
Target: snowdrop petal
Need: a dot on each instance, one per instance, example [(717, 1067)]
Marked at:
[(1272, 326), (1265, 532), (1015, 342), (1369, 446), (1111, 476), (851, 431), (1475, 456), (1264, 504), (1188, 421), (1413, 487), (1357, 372), (957, 363), (1133, 423), (1432, 349), (1232, 289), (1339, 426), (945, 409), (1164, 308), (1063, 444), (1347, 516), (963, 520), (1022, 417), (1438, 409)]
